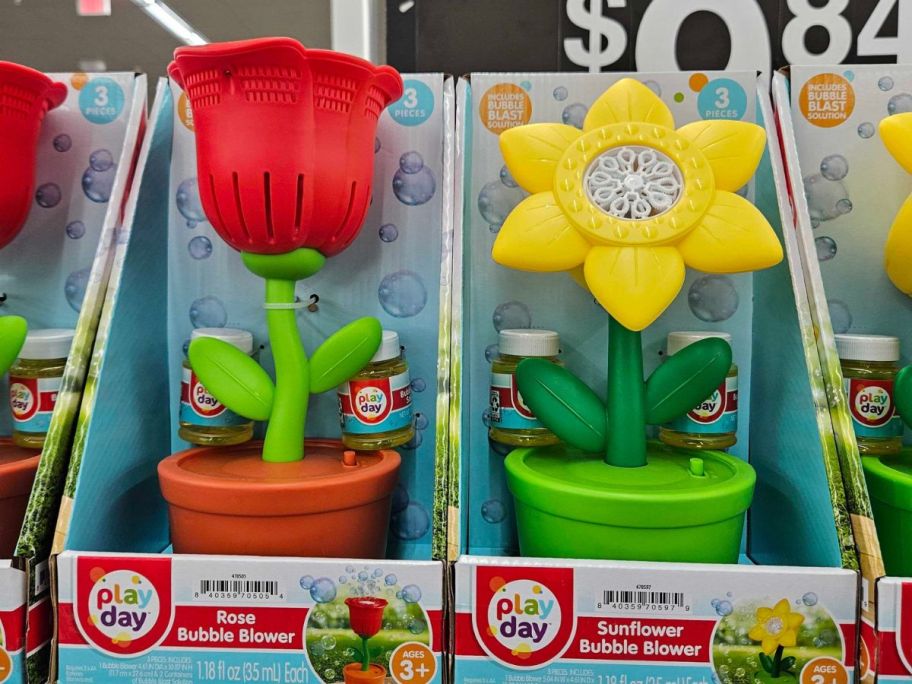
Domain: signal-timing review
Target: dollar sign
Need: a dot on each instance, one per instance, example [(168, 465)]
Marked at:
[(594, 58)]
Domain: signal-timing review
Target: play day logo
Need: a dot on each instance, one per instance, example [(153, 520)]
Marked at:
[(872, 401), (371, 400), (123, 605), (23, 398), (524, 617), (710, 409), (203, 403)]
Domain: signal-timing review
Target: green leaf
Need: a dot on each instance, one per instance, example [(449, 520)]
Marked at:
[(902, 392), (232, 377), (788, 663), (12, 334), (686, 378), (344, 354), (766, 662), (563, 403)]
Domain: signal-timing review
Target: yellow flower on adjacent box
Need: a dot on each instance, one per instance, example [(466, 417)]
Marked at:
[(776, 627), (629, 201), (896, 133)]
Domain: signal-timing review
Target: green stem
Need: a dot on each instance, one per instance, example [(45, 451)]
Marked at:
[(626, 413), (777, 662), (365, 655), (285, 432)]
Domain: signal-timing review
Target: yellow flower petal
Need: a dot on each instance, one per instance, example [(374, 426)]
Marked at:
[(764, 614), (788, 638), (579, 276), (896, 133), (757, 633), (769, 645), (628, 100), (733, 236), (898, 250), (732, 148), (537, 236), (795, 620), (634, 284), (781, 609), (532, 152)]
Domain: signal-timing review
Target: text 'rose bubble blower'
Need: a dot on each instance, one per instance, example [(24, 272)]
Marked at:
[(625, 205), (284, 139)]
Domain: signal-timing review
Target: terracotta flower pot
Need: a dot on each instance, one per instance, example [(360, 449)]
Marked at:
[(353, 674), (227, 500), (17, 472)]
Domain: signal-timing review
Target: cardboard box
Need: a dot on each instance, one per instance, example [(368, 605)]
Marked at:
[(634, 621), (288, 619)]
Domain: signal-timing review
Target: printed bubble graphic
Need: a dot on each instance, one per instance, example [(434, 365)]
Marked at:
[(825, 198), (208, 312), (400, 500), (363, 575), (75, 229), (200, 247), (411, 523), (826, 248), (574, 114), (48, 195), (101, 160), (421, 421), (493, 511), (844, 206), (418, 385), (511, 316), (390, 580), (388, 232), (885, 83), (486, 417), (713, 298), (402, 294), (414, 442), (809, 599), (97, 184), (899, 104), (63, 142), (724, 608), (492, 351), (498, 448), (411, 593), (834, 167), (328, 642), (496, 200), (323, 590), (306, 582), (188, 202), (840, 316), (866, 129), (75, 287), (560, 93), (654, 87), (413, 183), (507, 178)]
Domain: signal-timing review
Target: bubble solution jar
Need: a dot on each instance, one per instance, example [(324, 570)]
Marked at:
[(204, 420), (35, 380), (869, 368), (713, 423), (512, 422), (376, 404)]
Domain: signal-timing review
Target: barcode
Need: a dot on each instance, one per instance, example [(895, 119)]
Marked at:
[(644, 598), (220, 586)]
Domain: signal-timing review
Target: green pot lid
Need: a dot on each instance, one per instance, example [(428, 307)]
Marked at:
[(669, 491), (889, 479)]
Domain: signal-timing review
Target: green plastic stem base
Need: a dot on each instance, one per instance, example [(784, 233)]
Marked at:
[(889, 480), (626, 404), (572, 505)]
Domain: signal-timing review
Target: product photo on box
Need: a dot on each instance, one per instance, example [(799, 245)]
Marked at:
[(277, 510), (70, 140), (629, 497)]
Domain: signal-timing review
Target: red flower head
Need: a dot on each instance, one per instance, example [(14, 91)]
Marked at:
[(26, 96), (284, 140), (365, 614)]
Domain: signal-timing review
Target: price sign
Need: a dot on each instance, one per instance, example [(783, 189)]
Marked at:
[(646, 35)]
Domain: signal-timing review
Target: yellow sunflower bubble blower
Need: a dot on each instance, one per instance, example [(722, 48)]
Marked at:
[(624, 206)]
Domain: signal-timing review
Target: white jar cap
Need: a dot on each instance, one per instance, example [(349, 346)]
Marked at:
[(868, 347), (50, 343), (678, 340), (389, 347), (529, 342), (242, 339)]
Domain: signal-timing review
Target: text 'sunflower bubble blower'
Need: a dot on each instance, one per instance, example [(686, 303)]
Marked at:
[(284, 139), (625, 205), (26, 96)]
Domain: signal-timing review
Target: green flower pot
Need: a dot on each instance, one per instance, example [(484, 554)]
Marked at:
[(684, 506), (889, 481)]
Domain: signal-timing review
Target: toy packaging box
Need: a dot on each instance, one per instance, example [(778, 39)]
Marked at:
[(550, 620), (130, 609), (847, 189), (53, 275)]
